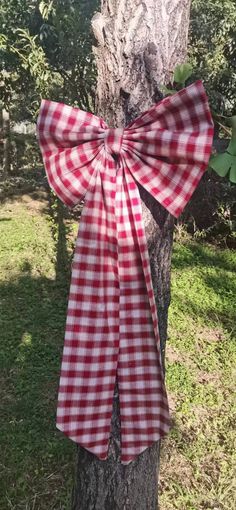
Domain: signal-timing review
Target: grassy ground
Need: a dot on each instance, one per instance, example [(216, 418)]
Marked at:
[(36, 462), (198, 458)]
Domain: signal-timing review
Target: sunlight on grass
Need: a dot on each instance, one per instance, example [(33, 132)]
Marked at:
[(198, 456), (26, 339)]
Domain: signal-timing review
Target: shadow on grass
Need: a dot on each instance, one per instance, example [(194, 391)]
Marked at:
[(32, 330), (36, 460), (208, 287), (224, 288), (197, 254)]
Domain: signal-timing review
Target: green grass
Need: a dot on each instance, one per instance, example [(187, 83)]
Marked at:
[(198, 457), (37, 462)]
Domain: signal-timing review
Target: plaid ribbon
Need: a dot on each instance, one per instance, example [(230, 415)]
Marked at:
[(112, 328)]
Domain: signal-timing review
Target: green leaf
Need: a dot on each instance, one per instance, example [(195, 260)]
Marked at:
[(231, 149), (232, 174), (221, 163), (182, 72), (232, 122), (166, 91), (232, 144), (45, 9)]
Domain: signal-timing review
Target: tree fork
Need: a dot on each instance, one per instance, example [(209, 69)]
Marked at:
[(139, 45)]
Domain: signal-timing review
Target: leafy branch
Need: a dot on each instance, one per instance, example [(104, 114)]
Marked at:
[(32, 59), (225, 163)]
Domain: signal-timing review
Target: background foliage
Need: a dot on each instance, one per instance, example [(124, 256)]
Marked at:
[(213, 50), (46, 51)]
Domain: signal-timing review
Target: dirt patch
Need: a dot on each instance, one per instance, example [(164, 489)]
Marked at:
[(201, 415), (172, 400), (209, 377), (174, 468), (174, 356), (210, 334), (36, 201)]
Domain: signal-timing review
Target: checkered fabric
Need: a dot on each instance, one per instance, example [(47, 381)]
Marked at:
[(112, 328)]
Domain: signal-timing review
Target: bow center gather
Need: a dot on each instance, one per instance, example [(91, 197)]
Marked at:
[(113, 140)]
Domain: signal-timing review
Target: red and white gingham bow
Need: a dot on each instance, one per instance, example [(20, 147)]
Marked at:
[(112, 328)]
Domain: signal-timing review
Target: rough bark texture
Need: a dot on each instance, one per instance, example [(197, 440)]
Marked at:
[(139, 45), (6, 144)]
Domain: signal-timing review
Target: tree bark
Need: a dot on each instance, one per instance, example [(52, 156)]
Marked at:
[(139, 45), (6, 141)]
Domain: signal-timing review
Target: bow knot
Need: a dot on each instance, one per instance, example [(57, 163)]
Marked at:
[(113, 140)]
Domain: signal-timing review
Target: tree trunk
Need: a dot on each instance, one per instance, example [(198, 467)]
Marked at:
[(139, 45), (6, 147)]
